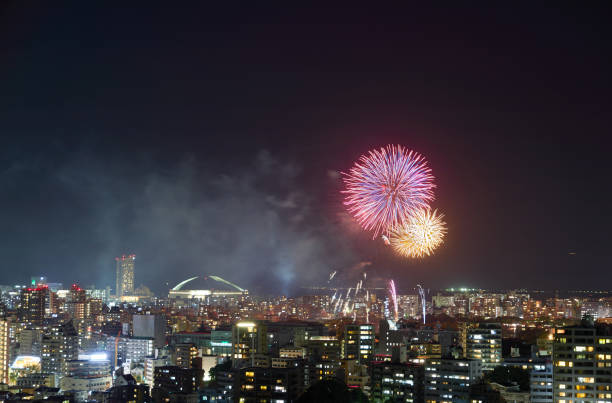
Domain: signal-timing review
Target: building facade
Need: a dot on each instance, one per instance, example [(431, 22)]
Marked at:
[(125, 275), (582, 364)]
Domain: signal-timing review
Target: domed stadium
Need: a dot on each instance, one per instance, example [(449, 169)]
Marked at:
[(201, 287)]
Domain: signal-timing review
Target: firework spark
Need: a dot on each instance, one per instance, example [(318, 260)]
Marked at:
[(384, 187), (393, 299), (420, 235)]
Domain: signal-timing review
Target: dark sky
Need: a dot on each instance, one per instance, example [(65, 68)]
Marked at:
[(208, 140)]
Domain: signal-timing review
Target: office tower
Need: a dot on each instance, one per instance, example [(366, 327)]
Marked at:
[(449, 380), (32, 304), (249, 337), (125, 275), (59, 345), (482, 341), (582, 364), (395, 381), (4, 351), (358, 343)]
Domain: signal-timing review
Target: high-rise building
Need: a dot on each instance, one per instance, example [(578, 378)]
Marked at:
[(582, 364), (76, 303), (249, 337), (482, 341), (4, 351), (358, 343), (32, 304), (125, 275), (59, 346), (449, 380)]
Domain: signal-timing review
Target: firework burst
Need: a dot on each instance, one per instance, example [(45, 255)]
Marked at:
[(385, 187), (420, 235)]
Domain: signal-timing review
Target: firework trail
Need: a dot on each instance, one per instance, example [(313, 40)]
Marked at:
[(367, 306), (334, 297), (393, 298), (384, 187), (331, 276), (422, 294), (420, 235), (386, 240), (338, 303)]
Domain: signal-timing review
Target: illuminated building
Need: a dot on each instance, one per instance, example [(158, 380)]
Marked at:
[(269, 384), (150, 363), (449, 380), (4, 351), (126, 389), (358, 342), (87, 376), (184, 354), (249, 337), (59, 346), (221, 341), (482, 341), (180, 382), (324, 355), (540, 377), (203, 288), (76, 303), (395, 381), (32, 305), (35, 380), (134, 349), (582, 364), (125, 275)]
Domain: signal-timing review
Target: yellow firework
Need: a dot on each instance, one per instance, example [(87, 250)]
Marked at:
[(420, 235)]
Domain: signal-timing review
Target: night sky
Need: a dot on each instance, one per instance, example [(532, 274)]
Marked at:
[(209, 140)]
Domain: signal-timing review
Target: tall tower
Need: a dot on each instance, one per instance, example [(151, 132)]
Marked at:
[(125, 275)]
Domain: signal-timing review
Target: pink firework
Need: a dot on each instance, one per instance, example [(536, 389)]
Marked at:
[(386, 186)]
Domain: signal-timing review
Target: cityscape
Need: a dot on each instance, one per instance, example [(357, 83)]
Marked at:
[(209, 339), (257, 202)]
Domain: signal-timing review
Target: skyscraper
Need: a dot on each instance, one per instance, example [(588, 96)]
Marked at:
[(4, 351), (125, 275), (32, 305)]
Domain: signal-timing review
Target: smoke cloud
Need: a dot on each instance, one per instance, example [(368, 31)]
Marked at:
[(253, 226)]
